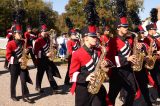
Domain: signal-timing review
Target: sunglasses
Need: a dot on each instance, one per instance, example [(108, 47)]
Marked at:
[(125, 26), (20, 33), (93, 36)]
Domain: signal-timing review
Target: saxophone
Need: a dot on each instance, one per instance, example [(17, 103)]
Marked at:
[(24, 57), (151, 59), (51, 48), (100, 75), (139, 55)]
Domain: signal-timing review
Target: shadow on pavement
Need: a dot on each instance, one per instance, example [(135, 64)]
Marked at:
[(3, 72), (31, 67), (60, 63), (2, 59), (38, 96), (62, 89)]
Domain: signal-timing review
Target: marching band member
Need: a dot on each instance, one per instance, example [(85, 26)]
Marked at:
[(83, 63), (9, 37), (41, 50), (105, 37), (119, 53), (139, 70), (72, 45), (141, 75), (151, 28), (30, 37), (13, 54), (9, 34)]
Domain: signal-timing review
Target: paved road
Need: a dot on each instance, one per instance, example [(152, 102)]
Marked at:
[(47, 99)]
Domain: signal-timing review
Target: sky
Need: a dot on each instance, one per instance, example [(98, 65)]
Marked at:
[(59, 6), (148, 5)]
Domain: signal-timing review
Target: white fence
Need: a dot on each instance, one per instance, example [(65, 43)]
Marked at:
[(3, 43)]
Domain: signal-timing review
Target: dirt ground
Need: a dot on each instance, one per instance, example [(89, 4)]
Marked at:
[(63, 98)]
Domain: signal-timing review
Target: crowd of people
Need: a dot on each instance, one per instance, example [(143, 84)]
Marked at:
[(131, 61)]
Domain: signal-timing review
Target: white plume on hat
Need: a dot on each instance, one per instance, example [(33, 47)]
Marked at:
[(158, 26)]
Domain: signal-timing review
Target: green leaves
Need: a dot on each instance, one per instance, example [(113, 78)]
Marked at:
[(74, 10), (32, 9)]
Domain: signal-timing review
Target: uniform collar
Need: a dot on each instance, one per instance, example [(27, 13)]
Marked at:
[(45, 39), (122, 38), (151, 36), (90, 51), (74, 40), (18, 42)]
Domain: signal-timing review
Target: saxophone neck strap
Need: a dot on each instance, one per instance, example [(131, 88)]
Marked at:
[(91, 52)]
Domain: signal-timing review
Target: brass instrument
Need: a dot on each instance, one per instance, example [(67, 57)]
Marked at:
[(150, 59), (138, 53), (100, 75), (51, 48), (24, 57)]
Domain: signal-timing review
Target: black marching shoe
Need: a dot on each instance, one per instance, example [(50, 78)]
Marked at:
[(14, 99), (26, 99), (55, 90), (55, 87), (39, 90), (67, 83)]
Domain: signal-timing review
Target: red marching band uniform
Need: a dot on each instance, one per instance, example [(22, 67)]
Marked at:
[(41, 48), (142, 76), (72, 45), (105, 38), (83, 63), (13, 54), (29, 38), (154, 77), (119, 49), (14, 48), (39, 45), (9, 36)]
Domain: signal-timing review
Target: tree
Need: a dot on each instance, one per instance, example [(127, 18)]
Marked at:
[(105, 8), (5, 15), (32, 9), (74, 10)]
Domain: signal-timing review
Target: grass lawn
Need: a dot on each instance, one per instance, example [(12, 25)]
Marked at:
[(56, 60), (2, 53)]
